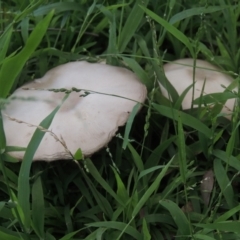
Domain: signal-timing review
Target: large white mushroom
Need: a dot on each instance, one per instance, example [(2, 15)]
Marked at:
[(180, 75), (87, 122)]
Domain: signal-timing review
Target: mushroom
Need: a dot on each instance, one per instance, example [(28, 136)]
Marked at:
[(86, 122), (180, 74)]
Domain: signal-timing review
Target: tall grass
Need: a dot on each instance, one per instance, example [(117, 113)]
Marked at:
[(168, 174)]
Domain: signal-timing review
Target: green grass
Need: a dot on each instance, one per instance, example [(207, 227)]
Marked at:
[(149, 183)]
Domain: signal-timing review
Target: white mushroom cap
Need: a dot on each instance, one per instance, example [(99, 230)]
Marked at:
[(87, 122), (180, 74)]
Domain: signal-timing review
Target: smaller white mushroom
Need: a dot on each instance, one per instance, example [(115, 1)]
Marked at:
[(87, 122), (180, 74)]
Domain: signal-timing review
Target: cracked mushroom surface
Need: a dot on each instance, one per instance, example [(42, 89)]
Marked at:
[(86, 122), (180, 75)]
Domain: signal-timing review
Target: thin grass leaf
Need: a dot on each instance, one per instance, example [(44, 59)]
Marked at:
[(131, 24), (171, 29), (17, 210), (178, 103), (129, 123), (97, 234), (222, 49), (145, 232), (86, 22), (186, 119), (182, 151), (121, 189), (68, 219), (224, 182), (49, 236), (231, 26), (136, 158), (229, 214), (2, 136), (25, 29), (202, 236), (8, 236), (215, 97), (230, 160), (23, 181), (228, 226), (38, 208), (138, 70), (149, 170), (7, 76), (96, 175), (70, 236), (123, 227), (151, 189), (28, 10), (193, 12), (58, 8), (5, 41), (156, 154), (178, 216), (112, 40)]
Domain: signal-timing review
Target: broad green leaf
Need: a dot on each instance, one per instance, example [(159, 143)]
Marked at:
[(7, 75)]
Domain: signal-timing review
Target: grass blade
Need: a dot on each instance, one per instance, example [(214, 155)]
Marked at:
[(178, 216), (186, 119), (38, 208), (96, 175), (123, 227), (231, 161), (193, 12), (171, 29), (128, 127), (131, 25), (224, 182), (23, 180), (2, 136), (151, 189), (229, 226)]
